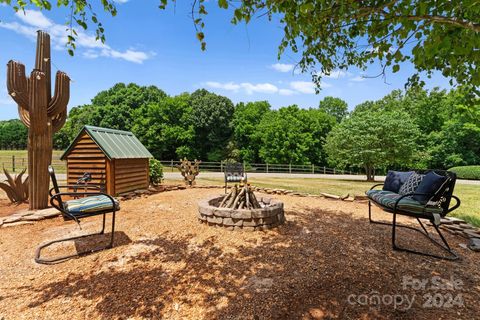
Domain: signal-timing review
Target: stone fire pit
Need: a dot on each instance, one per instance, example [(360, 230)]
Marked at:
[(269, 216)]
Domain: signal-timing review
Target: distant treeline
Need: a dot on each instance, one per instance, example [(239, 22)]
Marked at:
[(416, 128)]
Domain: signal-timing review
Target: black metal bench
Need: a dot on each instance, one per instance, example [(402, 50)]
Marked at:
[(432, 207), (234, 172), (90, 204)]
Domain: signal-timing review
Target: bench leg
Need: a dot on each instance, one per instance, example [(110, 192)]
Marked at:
[(451, 254), (40, 260)]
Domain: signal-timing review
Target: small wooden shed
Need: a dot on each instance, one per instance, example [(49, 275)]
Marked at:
[(113, 157)]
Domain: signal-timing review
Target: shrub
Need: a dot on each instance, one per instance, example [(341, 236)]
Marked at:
[(467, 172), (156, 171)]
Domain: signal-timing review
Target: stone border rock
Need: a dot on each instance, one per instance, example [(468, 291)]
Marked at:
[(241, 219), (452, 225), (28, 217)]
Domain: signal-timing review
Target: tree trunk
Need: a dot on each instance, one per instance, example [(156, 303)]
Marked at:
[(369, 173)]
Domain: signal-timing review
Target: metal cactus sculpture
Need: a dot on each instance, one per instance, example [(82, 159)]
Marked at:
[(41, 113), (189, 170)]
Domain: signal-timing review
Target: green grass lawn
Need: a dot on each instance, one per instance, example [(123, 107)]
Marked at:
[(468, 194), (23, 153), (21, 160)]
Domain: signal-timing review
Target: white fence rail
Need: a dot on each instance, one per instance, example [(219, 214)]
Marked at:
[(16, 164)]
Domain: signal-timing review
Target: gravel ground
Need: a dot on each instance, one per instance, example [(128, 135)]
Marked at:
[(320, 265)]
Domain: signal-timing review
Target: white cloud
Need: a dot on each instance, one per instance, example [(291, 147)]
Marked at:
[(229, 86), (295, 87), (247, 87), (303, 86), (121, 1), (282, 67), (337, 74), (286, 92), (357, 79), (259, 88), (34, 20)]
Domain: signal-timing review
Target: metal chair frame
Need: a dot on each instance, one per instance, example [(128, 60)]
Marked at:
[(232, 169), (56, 202), (443, 193)]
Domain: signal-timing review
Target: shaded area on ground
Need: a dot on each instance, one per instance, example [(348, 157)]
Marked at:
[(176, 268)]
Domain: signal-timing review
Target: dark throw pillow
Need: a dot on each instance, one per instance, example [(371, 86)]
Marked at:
[(430, 184), (395, 179), (411, 185)]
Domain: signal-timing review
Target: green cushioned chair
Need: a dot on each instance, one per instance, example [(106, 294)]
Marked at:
[(234, 172), (432, 207), (93, 203)]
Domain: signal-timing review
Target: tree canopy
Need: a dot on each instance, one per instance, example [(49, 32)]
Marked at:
[(335, 107), (405, 129), (438, 35), (294, 135), (373, 139)]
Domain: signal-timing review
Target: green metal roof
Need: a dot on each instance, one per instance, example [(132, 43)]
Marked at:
[(116, 144)]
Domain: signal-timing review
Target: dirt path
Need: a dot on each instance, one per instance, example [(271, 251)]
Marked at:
[(319, 265)]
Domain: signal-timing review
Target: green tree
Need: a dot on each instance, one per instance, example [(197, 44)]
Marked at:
[(246, 119), (112, 108), (335, 107), (292, 135), (433, 35), (165, 128), (13, 134), (211, 117), (373, 139), (131, 95)]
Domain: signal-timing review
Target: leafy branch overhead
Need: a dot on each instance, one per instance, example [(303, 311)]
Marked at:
[(433, 35)]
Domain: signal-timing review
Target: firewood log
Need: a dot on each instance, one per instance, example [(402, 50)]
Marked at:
[(241, 205), (232, 198), (227, 196), (247, 198), (255, 202), (237, 199)]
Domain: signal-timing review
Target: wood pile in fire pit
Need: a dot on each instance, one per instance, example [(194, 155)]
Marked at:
[(240, 197)]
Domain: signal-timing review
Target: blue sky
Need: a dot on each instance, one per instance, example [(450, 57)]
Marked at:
[(149, 46)]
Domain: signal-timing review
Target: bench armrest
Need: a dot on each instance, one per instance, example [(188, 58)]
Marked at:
[(377, 185), (457, 204), (412, 194), (74, 186)]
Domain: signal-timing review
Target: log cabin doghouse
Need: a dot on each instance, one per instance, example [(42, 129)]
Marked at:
[(115, 159)]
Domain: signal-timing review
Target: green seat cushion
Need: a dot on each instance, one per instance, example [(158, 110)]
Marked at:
[(90, 204), (388, 199)]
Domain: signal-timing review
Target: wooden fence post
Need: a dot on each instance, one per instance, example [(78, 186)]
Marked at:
[(290, 168), (13, 163), (171, 164), (313, 169), (267, 166)]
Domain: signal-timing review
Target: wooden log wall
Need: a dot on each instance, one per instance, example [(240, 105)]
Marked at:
[(130, 174), (86, 156)]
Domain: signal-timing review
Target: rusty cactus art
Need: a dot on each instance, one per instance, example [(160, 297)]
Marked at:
[(41, 113), (189, 170)]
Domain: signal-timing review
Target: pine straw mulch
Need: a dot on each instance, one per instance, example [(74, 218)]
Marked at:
[(167, 265)]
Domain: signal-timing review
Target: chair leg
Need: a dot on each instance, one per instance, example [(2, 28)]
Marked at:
[(395, 225), (103, 224), (113, 230), (452, 255), (40, 260)]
